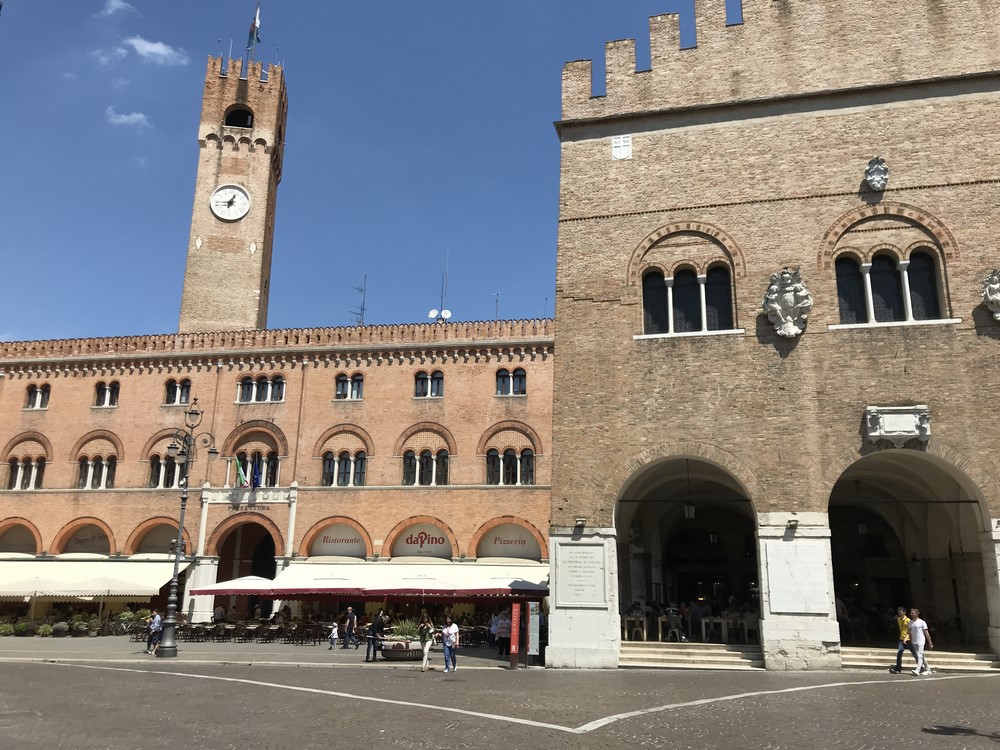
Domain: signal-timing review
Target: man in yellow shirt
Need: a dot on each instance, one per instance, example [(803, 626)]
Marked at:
[(904, 640)]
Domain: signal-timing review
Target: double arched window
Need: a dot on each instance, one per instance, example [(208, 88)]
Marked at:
[(510, 467), (429, 385), (888, 290), (350, 388), (25, 473), (37, 397), (261, 390), (687, 302), (512, 383), (425, 468), (106, 394), (344, 469), (96, 472), (177, 392)]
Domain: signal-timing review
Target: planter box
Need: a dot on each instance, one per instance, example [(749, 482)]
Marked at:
[(401, 651)]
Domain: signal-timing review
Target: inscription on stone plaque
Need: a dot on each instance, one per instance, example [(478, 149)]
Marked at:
[(580, 576), (798, 577)]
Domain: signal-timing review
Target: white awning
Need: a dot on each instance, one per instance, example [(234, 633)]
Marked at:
[(245, 585), (411, 578), (86, 577)]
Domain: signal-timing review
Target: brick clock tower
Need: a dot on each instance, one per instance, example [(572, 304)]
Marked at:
[(241, 135)]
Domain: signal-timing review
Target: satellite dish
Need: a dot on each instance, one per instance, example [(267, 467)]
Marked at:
[(446, 314), (432, 314)]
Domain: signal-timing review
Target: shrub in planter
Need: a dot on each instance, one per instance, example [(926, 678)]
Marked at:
[(142, 614), (60, 630), (44, 630), (24, 629), (78, 628), (6, 629)]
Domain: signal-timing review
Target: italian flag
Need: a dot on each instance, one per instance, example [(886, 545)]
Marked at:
[(241, 478)]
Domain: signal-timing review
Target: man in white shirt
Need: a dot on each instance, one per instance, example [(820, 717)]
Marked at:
[(220, 614), (919, 635)]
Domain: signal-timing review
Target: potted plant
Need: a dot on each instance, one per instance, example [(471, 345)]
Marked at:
[(78, 628), (24, 630), (60, 630), (399, 644), (6, 628), (44, 630), (94, 627)]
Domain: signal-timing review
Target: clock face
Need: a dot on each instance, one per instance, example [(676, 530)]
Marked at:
[(230, 202)]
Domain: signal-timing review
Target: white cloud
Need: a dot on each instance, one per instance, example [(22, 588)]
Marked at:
[(113, 6), (108, 56), (69, 75), (119, 83), (134, 118), (157, 53)]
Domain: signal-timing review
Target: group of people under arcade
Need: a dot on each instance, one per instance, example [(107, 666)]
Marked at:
[(690, 615)]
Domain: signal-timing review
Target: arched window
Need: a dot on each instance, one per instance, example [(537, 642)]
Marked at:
[(13, 473), (350, 388), (97, 473), (246, 390), (329, 469), (686, 308), (492, 466), (887, 290), (503, 383), (83, 473), (344, 469), (357, 386), (154, 471), (25, 473), (263, 389), (718, 300), (510, 465), (409, 468), (527, 466), (421, 386), (437, 384), (850, 291), (922, 275), (655, 310), (519, 382), (360, 468), (343, 388), (441, 468), (277, 388), (271, 477), (426, 468), (239, 117), (37, 397)]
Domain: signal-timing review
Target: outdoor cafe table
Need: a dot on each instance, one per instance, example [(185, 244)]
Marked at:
[(631, 623), (722, 622)]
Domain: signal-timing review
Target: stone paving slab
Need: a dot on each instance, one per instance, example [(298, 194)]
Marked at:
[(160, 703)]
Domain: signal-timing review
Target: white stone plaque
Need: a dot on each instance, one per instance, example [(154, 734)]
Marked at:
[(580, 575), (798, 577)]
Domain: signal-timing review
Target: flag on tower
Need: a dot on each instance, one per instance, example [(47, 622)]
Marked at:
[(254, 37)]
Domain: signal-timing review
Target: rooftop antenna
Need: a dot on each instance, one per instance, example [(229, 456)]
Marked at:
[(496, 312), (440, 316), (359, 314)]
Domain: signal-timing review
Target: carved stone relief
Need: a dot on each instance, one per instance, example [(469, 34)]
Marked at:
[(787, 302), (897, 426), (991, 293), (877, 174)]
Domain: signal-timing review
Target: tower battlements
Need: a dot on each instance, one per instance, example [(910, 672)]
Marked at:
[(786, 48)]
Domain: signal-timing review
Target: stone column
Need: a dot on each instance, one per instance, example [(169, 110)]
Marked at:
[(584, 620), (204, 571), (991, 565), (798, 625)]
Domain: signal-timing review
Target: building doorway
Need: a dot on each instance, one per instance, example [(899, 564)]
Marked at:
[(248, 550)]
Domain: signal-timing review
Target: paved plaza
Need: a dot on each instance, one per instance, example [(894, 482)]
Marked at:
[(104, 693)]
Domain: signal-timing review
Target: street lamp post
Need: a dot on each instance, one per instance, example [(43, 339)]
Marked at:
[(183, 448)]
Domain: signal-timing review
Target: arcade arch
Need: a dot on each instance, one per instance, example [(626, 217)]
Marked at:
[(686, 531), (907, 529)]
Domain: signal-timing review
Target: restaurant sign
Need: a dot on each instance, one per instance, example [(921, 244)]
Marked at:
[(339, 539), (422, 540), (90, 538), (509, 540)]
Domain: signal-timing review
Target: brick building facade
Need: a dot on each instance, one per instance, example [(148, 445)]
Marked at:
[(782, 470)]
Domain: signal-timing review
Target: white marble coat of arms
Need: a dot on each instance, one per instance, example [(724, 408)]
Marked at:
[(991, 293), (787, 303), (877, 174)]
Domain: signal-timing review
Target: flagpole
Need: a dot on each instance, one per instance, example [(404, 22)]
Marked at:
[(256, 31)]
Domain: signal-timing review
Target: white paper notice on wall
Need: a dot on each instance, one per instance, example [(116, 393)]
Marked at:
[(798, 576)]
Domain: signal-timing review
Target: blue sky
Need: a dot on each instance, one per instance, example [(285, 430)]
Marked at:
[(415, 131)]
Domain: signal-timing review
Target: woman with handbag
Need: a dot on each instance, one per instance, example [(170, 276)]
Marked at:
[(449, 639)]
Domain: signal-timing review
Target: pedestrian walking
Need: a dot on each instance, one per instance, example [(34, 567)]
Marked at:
[(425, 629), (376, 633), (503, 635), (350, 625), (903, 623), (449, 639), (919, 635), (155, 632), (334, 635)]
